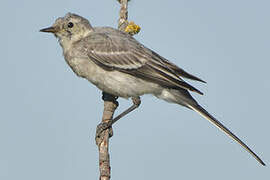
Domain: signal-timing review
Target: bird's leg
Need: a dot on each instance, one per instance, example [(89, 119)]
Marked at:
[(103, 126), (110, 104), (136, 103)]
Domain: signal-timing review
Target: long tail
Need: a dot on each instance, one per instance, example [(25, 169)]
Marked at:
[(210, 118)]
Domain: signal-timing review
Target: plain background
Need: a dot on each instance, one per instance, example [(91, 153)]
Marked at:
[(48, 115)]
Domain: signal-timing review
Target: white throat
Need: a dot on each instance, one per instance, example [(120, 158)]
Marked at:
[(66, 42)]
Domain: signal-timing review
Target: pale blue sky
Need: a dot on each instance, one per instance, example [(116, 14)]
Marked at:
[(48, 115)]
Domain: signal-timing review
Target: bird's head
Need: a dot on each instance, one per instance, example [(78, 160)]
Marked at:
[(71, 27)]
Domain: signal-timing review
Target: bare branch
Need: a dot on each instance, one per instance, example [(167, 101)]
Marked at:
[(122, 22), (110, 103)]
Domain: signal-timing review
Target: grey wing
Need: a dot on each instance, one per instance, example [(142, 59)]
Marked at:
[(176, 69), (125, 54)]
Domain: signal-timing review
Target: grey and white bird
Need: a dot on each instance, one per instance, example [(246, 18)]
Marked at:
[(118, 64)]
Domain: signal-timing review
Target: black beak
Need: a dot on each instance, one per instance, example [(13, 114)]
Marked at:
[(49, 30)]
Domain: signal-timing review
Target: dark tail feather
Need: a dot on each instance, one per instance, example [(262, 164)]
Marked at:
[(210, 118)]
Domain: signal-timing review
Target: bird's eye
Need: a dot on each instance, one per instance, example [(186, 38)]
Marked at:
[(70, 24)]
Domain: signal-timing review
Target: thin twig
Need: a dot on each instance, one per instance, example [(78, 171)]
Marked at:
[(123, 15), (110, 105)]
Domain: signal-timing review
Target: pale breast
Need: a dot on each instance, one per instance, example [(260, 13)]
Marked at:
[(114, 82), (124, 85)]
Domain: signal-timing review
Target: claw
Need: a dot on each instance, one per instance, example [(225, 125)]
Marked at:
[(101, 128)]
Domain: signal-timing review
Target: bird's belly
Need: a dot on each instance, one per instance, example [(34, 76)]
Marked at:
[(113, 82), (124, 85)]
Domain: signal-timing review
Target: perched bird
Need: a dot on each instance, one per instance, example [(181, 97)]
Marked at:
[(119, 65)]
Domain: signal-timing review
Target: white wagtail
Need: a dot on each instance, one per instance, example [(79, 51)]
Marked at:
[(118, 64)]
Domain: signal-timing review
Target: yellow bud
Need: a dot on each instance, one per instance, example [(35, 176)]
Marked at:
[(132, 28)]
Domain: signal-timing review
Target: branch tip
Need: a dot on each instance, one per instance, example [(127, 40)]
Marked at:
[(120, 1)]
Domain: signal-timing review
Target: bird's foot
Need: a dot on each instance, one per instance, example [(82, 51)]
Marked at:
[(100, 130)]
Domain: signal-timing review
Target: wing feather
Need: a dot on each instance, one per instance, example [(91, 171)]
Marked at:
[(176, 69), (125, 54)]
